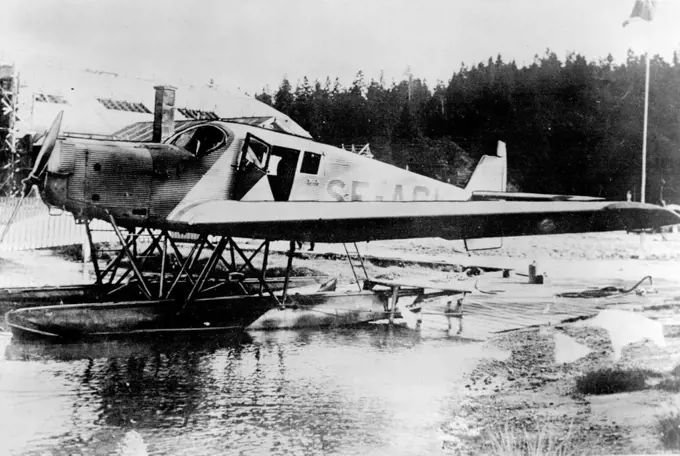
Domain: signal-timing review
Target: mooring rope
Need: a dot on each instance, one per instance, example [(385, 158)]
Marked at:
[(606, 292), (490, 292)]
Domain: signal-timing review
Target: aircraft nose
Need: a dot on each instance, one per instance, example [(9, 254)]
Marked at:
[(60, 166)]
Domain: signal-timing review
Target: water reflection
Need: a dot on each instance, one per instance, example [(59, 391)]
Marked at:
[(372, 390)]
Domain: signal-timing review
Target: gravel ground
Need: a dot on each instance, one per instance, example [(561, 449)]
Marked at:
[(532, 394)]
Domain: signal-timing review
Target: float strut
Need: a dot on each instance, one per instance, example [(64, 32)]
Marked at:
[(349, 258), (139, 275), (361, 260), (256, 271), (265, 260), (186, 263), (205, 273), (93, 253), (163, 266), (393, 302), (289, 266)]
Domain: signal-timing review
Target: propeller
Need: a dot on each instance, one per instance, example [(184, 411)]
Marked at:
[(38, 171), (43, 157)]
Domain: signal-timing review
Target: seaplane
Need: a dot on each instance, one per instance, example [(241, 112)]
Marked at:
[(214, 181)]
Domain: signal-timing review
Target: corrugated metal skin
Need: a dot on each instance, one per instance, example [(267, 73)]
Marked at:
[(77, 186), (206, 178), (231, 160), (67, 157), (118, 177)]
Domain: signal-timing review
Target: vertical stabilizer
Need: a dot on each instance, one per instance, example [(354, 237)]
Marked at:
[(491, 173)]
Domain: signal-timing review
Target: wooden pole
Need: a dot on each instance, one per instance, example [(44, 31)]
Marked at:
[(644, 149), (644, 131)]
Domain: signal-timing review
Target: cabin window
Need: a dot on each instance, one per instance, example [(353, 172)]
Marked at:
[(202, 140), (310, 163)]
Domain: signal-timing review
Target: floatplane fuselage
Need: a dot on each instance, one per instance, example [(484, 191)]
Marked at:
[(156, 185)]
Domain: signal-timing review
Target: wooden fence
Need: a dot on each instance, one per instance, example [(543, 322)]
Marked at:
[(36, 226)]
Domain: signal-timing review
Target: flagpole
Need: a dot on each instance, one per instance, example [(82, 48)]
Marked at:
[(644, 131)]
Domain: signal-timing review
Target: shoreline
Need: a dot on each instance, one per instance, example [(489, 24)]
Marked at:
[(529, 392)]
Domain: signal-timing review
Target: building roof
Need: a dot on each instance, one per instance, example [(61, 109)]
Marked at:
[(143, 131), (103, 103)]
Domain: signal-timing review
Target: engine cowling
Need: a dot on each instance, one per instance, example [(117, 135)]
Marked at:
[(93, 178)]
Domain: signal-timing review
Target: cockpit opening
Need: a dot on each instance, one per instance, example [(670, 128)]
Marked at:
[(201, 140)]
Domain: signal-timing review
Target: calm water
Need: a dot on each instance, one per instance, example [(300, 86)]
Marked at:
[(369, 391)]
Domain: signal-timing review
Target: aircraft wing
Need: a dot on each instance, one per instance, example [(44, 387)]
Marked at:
[(363, 220), (510, 196)]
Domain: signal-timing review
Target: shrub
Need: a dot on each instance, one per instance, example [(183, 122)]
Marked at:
[(300, 271), (669, 426), (670, 384), (676, 371), (613, 380), (72, 252), (510, 441)]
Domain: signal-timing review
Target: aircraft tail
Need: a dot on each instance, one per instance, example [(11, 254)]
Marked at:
[(491, 174)]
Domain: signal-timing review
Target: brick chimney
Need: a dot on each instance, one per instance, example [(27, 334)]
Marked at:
[(164, 113)]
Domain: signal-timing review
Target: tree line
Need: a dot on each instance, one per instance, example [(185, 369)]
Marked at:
[(570, 126)]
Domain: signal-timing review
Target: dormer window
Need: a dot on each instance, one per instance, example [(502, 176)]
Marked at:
[(129, 106), (50, 98), (197, 114)]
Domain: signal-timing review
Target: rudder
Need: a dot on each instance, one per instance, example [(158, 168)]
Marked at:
[(491, 174)]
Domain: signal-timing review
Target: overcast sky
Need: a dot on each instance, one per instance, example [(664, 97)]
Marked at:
[(248, 45)]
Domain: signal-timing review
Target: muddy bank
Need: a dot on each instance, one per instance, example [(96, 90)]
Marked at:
[(535, 393)]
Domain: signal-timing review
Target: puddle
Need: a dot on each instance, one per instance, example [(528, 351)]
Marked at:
[(626, 328), (567, 350)]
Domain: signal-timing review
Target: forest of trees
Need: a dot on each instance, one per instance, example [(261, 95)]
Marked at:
[(570, 126)]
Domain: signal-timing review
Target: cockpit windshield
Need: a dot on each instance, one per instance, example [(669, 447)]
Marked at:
[(201, 140)]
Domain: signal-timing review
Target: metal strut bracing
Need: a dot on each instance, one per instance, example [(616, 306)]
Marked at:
[(115, 273), (233, 270), (260, 274), (181, 275)]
